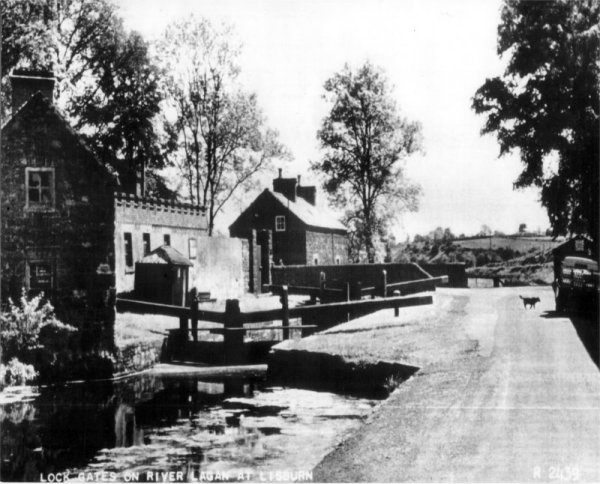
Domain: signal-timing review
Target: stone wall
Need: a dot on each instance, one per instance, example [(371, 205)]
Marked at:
[(218, 262), (157, 218), (326, 248), (137, 356), (246, 263), (329, 372), (219, 267)]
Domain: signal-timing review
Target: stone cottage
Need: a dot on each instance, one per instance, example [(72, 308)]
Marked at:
[(290, 226), (67, 229)]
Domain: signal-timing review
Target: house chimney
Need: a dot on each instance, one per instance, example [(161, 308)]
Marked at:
[(26, 83), (307, 193), (285, 186)]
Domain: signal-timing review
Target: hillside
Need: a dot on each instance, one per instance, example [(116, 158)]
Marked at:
[(517, 243), (531, 266)]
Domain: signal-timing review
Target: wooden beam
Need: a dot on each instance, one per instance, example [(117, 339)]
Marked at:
[(144, 307)]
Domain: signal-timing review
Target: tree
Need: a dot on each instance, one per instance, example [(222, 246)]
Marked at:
[(448, 235), (107, 84), (219, 128), (25, 33), (485, 231), (437, 234), (120, 113), (522, 228), (546, 105), (365, 142)]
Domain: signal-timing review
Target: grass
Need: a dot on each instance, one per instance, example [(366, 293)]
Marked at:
[(415, 336)]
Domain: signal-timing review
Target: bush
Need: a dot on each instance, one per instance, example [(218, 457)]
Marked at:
[(22, 325), (16, 373), (31, 334)]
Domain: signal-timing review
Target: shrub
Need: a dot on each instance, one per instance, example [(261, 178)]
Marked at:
[(16, 373), (22, 324)]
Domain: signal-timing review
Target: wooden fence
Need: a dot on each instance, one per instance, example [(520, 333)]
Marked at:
[(313, 317), (355, 291)]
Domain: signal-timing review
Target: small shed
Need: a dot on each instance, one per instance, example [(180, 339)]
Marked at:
[(163, 276), (578, 246)]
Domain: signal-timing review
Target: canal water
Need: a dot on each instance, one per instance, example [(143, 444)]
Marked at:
[(199, 429)]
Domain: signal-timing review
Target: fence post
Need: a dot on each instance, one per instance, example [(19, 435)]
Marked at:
[(233, 340), (183, 328), (383, 283), (322, 280), (396, 308), (285, 312), (194, 313)]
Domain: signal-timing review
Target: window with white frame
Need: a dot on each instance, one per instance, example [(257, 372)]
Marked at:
[(280, 223), (39, 188), (316, 259), (193, 248)]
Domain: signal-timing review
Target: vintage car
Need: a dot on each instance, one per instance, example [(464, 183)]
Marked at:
[(576, 284)]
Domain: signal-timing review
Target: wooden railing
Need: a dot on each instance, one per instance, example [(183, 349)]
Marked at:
[(313, 317)]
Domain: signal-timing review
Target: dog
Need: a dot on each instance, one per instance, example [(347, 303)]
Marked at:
[(532, 301)]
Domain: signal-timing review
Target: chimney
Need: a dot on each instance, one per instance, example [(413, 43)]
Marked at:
[(307, 193), (26, 83), (285, 186)]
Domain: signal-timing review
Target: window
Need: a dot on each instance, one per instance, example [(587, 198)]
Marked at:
[(167, 239), (146, 243), (128, 249), (280, 223), (193, 248), (41, 276), (338, 259), (316, 259), (39, 188)]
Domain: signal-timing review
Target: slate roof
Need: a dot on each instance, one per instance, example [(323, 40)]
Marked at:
[(309, 214), (165, 254)]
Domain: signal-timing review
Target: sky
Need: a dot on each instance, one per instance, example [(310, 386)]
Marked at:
[(436, 53)]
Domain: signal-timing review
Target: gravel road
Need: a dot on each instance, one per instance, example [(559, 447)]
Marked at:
[(521, 405)]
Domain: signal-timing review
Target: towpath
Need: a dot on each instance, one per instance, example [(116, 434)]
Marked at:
[(511, 395)]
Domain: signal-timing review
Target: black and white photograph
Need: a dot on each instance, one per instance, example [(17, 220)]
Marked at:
[(274, 241)]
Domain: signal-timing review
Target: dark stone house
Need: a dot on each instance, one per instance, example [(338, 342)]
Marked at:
[(66, 221), (69, 231), (287, 221), (57, 207)]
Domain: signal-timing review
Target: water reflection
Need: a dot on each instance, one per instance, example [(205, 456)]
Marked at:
[(171, 423)]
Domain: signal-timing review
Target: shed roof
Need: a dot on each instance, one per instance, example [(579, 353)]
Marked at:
[(569, 245), (165, 254)]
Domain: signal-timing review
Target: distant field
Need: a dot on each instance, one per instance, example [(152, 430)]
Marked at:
[(521, 244)]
